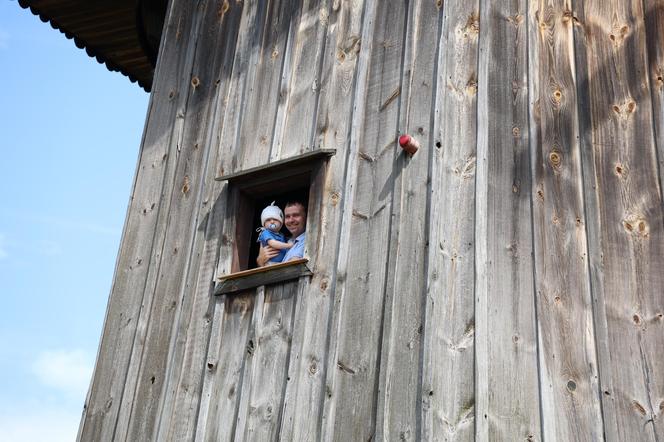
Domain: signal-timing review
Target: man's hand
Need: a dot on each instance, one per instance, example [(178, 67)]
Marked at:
[(265, 254)]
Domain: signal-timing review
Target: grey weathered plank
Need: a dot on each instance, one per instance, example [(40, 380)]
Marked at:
[(624, 207), (231, 320), (399, 392), (180, 226), (225, 366), (297, 111), (506, 387), (145, 211), (569, 381), (448, 410), (261, 98), (654, 22), (362, 271), (260, 386), (654, 31), (265, 375), (179, 408), (303, 402)]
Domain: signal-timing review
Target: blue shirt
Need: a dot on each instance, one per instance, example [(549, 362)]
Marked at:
[(265, 236), (297, 251)]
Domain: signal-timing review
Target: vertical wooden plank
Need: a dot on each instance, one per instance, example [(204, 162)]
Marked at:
[(225, 366), (399, 391), (569, 378), (140, 241), (362, 270), (305, 392), (296, 113), (506, 390), (262, 96), (232, 316), (624, 206), (654, 34), (163, 292), (265, 380), (448, 396), (192, 327)]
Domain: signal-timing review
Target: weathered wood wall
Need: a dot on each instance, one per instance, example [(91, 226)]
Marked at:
[(505, 283)]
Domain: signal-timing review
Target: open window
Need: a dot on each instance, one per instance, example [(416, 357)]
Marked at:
[(295, 179)]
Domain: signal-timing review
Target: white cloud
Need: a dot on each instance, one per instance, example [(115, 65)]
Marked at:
[(55, 415), (43, 424), (66, 370)]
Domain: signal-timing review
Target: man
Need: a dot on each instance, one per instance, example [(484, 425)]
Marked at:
[(295, 220)]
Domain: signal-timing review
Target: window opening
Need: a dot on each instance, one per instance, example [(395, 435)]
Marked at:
[(300, 194), (301, 179)]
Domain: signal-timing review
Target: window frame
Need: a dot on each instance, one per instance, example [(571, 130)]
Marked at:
[(250, 184)]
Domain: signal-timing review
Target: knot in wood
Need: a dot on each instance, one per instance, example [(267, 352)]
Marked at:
[(515, 19), (568, 16), (471, 86), (571, 385), (659, 79), (335, 198), (472, 26), (195, 82), (557, 97), (618, 34), (555, 159), (223, 9), (620, 170), (639, 408), (636, 225)]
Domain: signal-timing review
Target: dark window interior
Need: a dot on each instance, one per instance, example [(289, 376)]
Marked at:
[(253, 199), (301, 194)]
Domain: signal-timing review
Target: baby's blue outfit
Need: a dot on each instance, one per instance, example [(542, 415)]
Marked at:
[(267, 234)]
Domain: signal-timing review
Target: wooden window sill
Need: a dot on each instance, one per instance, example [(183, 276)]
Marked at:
[(248, 279)]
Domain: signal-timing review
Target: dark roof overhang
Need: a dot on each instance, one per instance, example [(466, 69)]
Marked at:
[(122, 34)]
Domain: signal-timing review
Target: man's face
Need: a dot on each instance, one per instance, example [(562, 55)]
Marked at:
[(295, 219)]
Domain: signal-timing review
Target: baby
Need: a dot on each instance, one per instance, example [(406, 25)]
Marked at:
[(272, 219)]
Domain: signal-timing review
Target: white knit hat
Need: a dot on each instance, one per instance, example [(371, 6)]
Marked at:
[(272, 211)]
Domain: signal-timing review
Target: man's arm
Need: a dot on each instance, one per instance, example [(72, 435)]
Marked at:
[(265, 254)]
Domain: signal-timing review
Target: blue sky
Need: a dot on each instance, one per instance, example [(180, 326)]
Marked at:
[(70, 132)]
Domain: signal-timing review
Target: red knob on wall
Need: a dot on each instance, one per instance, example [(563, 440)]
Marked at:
[(409, 144)]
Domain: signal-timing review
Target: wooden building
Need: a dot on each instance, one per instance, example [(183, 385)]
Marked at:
[(505, 282)]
